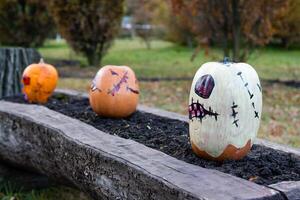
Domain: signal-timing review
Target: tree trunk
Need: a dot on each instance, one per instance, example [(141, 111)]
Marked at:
[(94, 59), (285, 42), (12, 63), (225, 13), (148, 42), (236, 31)]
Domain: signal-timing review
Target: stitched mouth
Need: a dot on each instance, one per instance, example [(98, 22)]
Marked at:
[(198, 111)]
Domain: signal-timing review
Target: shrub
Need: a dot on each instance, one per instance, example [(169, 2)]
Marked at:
[(288, 27), (24, 23), (238, 25), (88, 26)]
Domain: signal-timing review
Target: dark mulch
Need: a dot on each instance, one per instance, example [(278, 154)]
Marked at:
[(262, 165)]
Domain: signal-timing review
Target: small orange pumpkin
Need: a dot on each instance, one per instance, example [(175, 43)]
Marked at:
[(39, 82), (114, 92)]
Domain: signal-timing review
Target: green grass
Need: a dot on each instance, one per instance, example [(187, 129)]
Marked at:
[(166, 59), (10, 191), (53, 50)]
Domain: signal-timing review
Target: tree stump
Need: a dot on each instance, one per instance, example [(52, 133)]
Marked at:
[(12, 63)]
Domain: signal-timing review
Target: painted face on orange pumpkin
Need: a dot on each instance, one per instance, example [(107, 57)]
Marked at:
[(39, 82), (114, 91)]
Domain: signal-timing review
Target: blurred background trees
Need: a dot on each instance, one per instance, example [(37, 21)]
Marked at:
[(88, 26), (24, 23), (236, 25), (287, 29), (148, 18)]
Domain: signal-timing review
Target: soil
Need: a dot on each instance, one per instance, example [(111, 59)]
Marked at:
[(262, 165)]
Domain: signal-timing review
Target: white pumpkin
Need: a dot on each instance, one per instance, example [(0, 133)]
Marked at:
[(225, 107)]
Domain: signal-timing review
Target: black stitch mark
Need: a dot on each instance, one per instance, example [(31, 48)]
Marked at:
[(132, 90), (197, 110), (240, 75), (235, 122), (234, 113), (251, 95), (259, 87), (256, 114), (246, 85), (113, 72)]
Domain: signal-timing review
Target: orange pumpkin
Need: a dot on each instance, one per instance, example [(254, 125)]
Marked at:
[(114, 92), (39, 82)]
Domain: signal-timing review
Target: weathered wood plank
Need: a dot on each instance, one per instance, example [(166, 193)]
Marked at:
[(71, 92), (291, 189), (108, 166), (288, 188), (276, 146)]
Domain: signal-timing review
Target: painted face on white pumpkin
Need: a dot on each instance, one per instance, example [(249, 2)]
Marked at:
[(224, 107)]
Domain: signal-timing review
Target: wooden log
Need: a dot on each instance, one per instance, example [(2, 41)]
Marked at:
[(12, 63), (291, 189), (107, 166)]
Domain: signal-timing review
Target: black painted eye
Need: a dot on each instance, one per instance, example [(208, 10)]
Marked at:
[(204, 86)]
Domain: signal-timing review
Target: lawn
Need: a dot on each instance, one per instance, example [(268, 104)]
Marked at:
[(9, 191), (166, 59)]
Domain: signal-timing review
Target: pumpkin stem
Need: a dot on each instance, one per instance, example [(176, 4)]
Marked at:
[(226, 60), (41, 61)]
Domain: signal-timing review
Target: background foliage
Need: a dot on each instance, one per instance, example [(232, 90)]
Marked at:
[(237, 25), (287, 29), (88, 26), (24, 23)]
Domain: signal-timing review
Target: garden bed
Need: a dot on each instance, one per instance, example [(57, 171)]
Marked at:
[(262, 165), (79, 151)]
